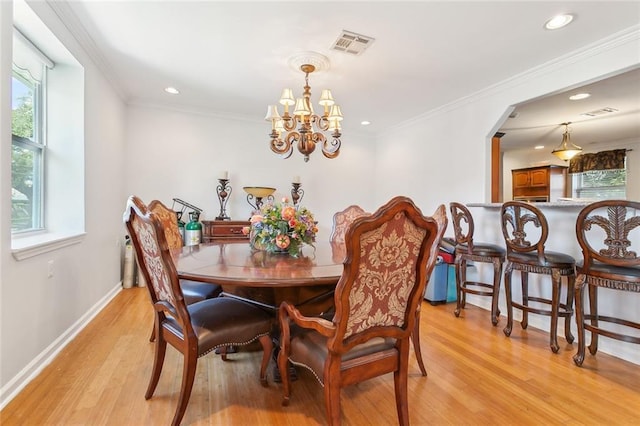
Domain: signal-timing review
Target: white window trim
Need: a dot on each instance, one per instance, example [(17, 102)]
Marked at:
[(25, 247)]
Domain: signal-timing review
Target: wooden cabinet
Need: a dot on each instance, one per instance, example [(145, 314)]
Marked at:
[(545, 183), (228, 230)]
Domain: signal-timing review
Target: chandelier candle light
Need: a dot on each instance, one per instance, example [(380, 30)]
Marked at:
[(304, 117)]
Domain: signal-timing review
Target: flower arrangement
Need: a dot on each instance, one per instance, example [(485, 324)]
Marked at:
[(282, 228)]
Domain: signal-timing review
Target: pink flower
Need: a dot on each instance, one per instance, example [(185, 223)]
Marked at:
[(256, 218), (288, 212), (292, 223), (282, 241), (285, 200), (246, 230)]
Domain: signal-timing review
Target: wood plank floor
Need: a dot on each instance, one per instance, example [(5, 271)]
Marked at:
[(476, 376)]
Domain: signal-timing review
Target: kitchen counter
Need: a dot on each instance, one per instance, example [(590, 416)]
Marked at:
[(552, 204)]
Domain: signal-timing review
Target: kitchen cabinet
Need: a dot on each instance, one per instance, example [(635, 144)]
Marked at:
[(543, 183), (224, 230)]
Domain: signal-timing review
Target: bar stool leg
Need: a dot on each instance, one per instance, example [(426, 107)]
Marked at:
[(578, 358), (497, 273), (569, 307), (507, 290), (555, 302), (524, 276), (459, 291), (593, 311)]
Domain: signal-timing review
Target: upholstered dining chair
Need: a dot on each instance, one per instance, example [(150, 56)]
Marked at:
[(468, 250), (193, 291), (520, 221), (194, 330), (609, 235), (389, 257)]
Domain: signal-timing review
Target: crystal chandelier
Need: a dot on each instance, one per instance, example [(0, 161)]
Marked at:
[(567, 150), (310, 126)]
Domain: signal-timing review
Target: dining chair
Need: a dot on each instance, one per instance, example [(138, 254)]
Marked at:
[(609, 260), (389, 257), (193, 291), (520, 221), (193, 330), (468, 250)]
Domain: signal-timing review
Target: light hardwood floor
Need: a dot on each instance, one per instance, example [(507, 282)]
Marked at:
[(476, 376)]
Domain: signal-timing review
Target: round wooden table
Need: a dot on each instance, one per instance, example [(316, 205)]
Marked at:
[(266, 278)]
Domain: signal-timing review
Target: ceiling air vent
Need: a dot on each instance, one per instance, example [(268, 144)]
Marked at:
[(599, 112), (352, 43)]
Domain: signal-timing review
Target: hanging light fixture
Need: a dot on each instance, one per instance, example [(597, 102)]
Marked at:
[(311, 126), (567, 150)]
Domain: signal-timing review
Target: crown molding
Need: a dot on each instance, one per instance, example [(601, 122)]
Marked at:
[(70, 20), (629, 35)]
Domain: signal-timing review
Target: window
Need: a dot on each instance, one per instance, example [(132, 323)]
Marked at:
[(600, 184), (27, 150), (47, 138)]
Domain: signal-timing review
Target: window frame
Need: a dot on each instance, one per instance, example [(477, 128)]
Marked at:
[(37, 144), (579, 189)]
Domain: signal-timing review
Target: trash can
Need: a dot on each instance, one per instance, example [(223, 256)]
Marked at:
[(442, 283)]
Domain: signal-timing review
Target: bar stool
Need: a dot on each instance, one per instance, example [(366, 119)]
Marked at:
[(468, 250), (606, 224), (531, 257)]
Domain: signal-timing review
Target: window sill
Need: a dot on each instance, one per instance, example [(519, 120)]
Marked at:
[(34, 245)]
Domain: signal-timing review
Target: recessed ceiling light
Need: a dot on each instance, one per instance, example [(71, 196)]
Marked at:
[(558, 21), (171, 90), (538, 147), (579, 96), (365, 123)]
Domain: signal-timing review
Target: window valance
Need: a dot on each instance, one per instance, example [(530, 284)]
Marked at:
[(604, 160)]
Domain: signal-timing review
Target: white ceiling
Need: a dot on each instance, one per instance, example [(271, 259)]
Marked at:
[(231, 58)]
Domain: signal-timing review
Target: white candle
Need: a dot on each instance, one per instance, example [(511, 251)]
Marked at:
[(224, 175), (296, 179)]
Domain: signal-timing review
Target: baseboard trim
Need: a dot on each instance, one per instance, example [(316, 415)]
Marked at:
[(31, 370)]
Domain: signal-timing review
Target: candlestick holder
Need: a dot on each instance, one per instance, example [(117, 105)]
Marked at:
[(296, 193), (224, 191)]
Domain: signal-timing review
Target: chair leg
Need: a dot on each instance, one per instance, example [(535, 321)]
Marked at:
[(497, 273), (415, 339), (400, 383), (158, 361), (524, 276), (267, 349), (555, 302), (569, 308), (578, 358), (463, 282), (188, 376), (507, 291), (332, 394), (457, 262), (593, 311), (283, 361)]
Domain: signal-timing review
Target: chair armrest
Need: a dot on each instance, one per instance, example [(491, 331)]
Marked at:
[(288, 311)]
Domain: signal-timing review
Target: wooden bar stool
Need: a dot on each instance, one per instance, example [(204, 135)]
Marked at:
[(468, 250), (531, 257), (603, 230)]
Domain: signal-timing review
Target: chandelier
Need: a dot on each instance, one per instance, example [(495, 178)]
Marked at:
[(310, 126), (567, 150)]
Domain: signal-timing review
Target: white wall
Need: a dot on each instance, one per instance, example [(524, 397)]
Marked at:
[(179, 154), (444, 156), (38, 314)]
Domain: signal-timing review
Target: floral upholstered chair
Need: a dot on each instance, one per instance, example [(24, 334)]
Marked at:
[(193, 330), (390, 255), (342, 220)]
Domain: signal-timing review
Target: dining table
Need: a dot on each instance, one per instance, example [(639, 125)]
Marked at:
[(267, 278)]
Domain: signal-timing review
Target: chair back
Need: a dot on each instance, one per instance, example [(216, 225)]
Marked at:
[(389, 257), (518, 219), (603, 230), (157, 265), (342, 220), (169, 221), (463, 231)]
